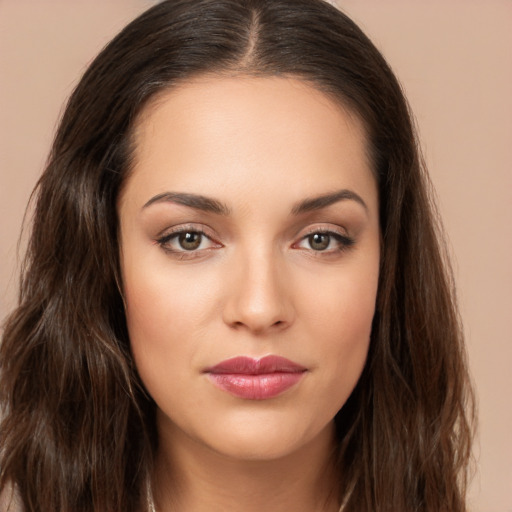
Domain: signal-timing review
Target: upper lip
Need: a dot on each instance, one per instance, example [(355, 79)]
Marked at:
[(244, 365)]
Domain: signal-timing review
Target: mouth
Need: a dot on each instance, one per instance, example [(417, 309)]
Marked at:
[(256, 379)]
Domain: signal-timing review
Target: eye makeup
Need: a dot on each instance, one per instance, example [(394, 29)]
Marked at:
[(193, 241), (187, 241), (325, 241)]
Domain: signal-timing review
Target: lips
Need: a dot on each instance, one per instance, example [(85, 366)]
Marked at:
[(256, 379)]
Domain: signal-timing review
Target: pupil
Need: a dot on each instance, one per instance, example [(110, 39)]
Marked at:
[(319, 241), (190, 241)]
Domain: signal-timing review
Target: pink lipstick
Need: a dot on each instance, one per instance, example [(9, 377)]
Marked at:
[(256, 379)]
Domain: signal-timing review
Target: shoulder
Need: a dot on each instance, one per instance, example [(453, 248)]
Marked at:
[(9, 500)]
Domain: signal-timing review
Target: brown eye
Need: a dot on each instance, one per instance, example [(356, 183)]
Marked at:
[(319, 241), (187, 242), (326, 242), (190, 240)]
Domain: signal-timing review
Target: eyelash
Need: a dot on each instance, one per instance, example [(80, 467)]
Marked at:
[(165, 240), (344, 242)]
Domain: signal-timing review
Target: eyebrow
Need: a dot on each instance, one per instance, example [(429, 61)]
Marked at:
[(211, 205), (195, 201), (325, 200)]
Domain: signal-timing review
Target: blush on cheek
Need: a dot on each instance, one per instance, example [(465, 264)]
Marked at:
[(349, 335)]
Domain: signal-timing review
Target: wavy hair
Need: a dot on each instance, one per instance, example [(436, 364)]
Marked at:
[(78, 431)]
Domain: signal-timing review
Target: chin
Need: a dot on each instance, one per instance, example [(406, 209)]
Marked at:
[(265, 438)]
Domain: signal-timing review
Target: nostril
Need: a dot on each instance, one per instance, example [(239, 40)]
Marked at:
[(279, 324)]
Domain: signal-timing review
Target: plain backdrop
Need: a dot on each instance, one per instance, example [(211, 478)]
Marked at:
[(454, 59)]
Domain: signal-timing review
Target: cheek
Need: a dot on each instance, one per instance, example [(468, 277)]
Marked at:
[(163, 316), (343, 301), (161, 300), (340, 323)]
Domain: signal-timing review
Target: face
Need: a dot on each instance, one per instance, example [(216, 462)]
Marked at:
[(250, 257)]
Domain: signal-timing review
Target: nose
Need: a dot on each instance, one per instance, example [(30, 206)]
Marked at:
[(258, 295)]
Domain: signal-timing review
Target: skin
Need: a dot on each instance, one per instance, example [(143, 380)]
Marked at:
[(256, 285)]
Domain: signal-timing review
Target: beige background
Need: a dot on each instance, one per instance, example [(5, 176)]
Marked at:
[(454, 59)]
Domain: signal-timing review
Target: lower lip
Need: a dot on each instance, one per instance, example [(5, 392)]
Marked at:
[(256, 387)]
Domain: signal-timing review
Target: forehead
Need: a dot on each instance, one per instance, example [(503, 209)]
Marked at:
[(248, 132)]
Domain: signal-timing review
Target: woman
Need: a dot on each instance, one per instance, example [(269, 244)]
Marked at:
[(234, 296)]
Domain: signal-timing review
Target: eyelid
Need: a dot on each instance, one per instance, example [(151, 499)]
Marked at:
[(170, 233), (323, 227), (344, 240)]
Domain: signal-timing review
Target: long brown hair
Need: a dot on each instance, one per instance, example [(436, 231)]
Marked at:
[(78, 431)]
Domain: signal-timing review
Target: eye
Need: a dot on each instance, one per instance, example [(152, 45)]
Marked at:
[(325, 241), (189, 241), (185, 240), (319, 241)]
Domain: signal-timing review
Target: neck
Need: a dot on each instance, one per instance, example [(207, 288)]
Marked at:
[(194, 478)]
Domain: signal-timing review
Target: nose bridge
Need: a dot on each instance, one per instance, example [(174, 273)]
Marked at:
[(258, 298)]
